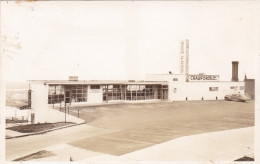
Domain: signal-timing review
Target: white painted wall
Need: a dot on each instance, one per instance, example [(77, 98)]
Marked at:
[(157, 77), (57, 116), (40, 107), (165, 77), (197, 90), (39, 102), (95, 95)]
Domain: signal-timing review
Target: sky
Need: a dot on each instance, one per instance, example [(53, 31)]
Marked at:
[(126, 40)]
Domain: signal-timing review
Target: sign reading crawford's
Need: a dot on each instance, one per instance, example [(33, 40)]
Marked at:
[(202, 77)]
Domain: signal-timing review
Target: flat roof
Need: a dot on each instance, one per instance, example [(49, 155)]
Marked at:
[(96, 82), (249, 80)]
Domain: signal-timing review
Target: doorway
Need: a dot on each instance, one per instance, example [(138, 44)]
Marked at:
[(165, 94), (67, 96)]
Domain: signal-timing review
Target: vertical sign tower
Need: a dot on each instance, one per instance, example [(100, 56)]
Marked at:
[(184, 58)]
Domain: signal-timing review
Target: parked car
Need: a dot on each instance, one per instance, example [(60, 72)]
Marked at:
[(25, 107), (236, 97)]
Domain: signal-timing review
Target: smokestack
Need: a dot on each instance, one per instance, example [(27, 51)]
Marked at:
[(234, 71)]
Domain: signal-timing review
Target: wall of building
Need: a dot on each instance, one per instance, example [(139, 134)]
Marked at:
[(39, 101), (179, 89), (95, 95), (166, 77), (199, 90), (40, 107), (250, 88), (158, 77)]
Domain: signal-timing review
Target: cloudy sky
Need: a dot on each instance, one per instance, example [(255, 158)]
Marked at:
[(126, 40)]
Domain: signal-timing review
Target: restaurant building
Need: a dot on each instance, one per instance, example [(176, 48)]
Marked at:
[(43, 94), (156, 87)]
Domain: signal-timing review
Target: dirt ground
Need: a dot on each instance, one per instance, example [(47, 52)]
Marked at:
[(34, 128), (144, 125)]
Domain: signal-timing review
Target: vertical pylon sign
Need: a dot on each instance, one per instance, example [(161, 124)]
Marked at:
[(184, 58)]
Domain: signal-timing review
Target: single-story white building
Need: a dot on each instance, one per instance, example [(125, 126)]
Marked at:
[(161, 87)]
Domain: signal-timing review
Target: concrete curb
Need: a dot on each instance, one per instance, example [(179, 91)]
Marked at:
[(46, 131), (141, 102), (116, 103)]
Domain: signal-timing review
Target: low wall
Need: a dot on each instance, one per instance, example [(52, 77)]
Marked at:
[(53, 116), (57, 116)]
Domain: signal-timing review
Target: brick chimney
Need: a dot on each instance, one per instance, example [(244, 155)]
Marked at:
[(234, 71)]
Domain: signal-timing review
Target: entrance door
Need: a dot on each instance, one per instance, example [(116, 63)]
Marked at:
[(67, 96), (165, 94)]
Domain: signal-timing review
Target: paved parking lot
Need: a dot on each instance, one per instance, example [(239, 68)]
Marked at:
[(142, 125)]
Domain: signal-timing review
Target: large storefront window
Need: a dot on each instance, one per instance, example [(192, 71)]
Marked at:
[(131, 92), (79, 93), (142, 92), (56, 94), (67, 93), (112, 92), (150, 92)]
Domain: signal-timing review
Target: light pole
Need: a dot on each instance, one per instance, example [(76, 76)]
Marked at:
[(65, 111)]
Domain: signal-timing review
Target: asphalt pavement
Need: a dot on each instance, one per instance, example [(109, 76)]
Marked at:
[(120, 129)]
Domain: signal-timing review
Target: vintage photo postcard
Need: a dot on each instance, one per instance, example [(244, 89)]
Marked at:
[(130, 81)]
